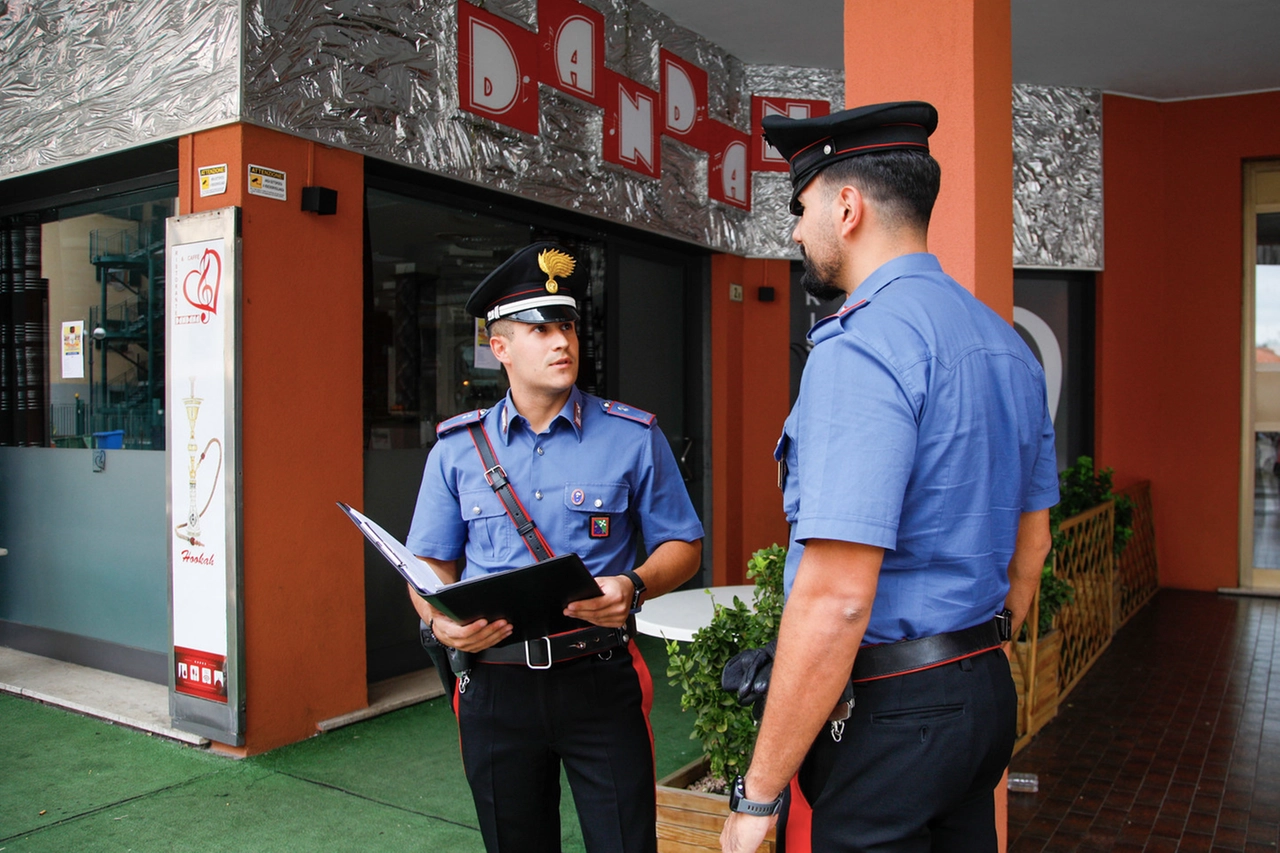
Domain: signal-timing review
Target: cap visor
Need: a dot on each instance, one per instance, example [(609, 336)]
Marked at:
[(544, 314)]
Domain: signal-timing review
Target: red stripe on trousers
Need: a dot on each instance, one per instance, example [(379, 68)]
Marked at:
[(646, 693), (799, 821)]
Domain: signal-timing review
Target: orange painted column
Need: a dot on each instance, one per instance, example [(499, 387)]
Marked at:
[(301, 379), (750, 392), (956, 56)]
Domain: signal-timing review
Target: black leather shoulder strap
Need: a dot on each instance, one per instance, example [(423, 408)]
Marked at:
[(502, 488)]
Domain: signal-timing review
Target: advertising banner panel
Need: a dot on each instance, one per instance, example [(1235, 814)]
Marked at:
[(202, 419)]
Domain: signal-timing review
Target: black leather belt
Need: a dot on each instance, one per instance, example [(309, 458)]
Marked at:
[(545, 651), (892, 659)]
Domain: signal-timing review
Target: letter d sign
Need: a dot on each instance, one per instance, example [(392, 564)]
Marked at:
[(496, 67)]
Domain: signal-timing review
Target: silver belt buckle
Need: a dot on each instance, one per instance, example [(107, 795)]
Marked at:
[(529, 661)]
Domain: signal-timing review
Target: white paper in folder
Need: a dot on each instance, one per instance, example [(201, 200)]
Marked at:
[(415, 571)]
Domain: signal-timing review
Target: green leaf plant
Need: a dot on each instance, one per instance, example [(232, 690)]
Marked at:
[(727, 730)]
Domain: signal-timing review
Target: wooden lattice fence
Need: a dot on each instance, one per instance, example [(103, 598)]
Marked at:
[(1136, 576), (1086, 562), (1108, 592)]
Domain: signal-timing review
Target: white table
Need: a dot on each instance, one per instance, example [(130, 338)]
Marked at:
[(677, 615)]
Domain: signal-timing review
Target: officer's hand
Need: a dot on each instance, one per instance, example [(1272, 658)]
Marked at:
[(744, 833), (609, 610), (472, 637)]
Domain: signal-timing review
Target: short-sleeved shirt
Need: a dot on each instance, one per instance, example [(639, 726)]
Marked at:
[(601, 474), (922, 428)]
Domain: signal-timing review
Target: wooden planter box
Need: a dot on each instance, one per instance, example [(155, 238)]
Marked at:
[(1041, 690), (690, 820)]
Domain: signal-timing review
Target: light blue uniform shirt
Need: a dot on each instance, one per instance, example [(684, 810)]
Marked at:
[(599, 475), (922, 428)]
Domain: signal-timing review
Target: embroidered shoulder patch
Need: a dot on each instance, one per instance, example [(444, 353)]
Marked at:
[(445, 427), (622, 410)]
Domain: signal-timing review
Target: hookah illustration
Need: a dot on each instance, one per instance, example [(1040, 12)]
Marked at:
[(190, 529)]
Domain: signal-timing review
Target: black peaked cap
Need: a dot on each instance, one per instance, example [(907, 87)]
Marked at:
[(812, 144), (535, 285)]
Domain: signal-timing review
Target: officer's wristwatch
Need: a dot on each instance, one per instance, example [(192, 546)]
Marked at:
[(637, 596), (738, 802)]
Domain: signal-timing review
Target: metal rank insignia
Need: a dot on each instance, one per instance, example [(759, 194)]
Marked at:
[(599, 527)]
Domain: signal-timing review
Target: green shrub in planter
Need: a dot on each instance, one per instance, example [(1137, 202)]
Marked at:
[(1055, 594), (726, 729), (1081, 488)]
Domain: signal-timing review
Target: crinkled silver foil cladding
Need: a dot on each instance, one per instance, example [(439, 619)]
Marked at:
[(381, 79), (80, 78), (1057, 177)]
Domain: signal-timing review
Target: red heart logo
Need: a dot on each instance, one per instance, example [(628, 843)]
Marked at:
[(208, 281)]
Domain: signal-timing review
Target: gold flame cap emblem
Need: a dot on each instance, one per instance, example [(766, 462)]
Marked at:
[(555, 263)]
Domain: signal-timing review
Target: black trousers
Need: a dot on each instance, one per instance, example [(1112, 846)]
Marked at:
[(916, 767), (517, 725)]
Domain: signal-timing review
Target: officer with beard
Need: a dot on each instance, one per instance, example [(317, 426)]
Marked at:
[(918, 469)]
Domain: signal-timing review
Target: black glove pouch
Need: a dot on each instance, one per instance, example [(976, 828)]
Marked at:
[(746, 675)]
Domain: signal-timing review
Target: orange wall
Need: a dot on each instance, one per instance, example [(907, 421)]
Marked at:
[(1169, 317), (301, 327), (956, 56), (750, 392)]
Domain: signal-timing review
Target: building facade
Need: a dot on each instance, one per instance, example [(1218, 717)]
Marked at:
[(371, 162)]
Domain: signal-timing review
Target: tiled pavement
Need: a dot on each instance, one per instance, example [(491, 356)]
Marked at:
[(1170, 742)]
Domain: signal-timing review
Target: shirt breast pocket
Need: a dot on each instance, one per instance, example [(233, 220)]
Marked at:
[(596, 512), (489, 529)]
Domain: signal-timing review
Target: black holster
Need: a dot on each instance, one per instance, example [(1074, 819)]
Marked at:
[(449, 662)]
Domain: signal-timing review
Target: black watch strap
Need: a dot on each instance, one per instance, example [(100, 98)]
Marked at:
[(637, 596), (738, 802)]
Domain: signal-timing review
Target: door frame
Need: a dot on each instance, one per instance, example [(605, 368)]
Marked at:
[(1261, 194)]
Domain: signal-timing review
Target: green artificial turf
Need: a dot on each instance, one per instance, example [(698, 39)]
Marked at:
[(391, 783)]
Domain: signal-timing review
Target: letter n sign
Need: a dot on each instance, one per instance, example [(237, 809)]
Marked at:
[(764, 157), (728, 165), (572, 37), (497, 69), (631, 125)]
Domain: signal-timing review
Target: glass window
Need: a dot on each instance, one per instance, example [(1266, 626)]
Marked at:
[(425, 358), (82, 340)]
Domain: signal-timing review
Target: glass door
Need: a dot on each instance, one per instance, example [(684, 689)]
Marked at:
[(1260, 540), (654, 351)]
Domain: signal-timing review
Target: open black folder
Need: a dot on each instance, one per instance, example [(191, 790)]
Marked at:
[(532, 598)]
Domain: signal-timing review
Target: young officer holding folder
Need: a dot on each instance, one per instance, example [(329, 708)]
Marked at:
[(592, 475)]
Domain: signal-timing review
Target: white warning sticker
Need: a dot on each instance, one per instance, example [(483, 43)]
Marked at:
[(213, 180), (267, 182)]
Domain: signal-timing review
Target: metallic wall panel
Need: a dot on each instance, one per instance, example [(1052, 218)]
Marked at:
[(381, 79), (1057, 177), (80, 78)]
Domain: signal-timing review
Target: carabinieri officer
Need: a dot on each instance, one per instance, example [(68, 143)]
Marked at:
[(595, 477), (918, 467)]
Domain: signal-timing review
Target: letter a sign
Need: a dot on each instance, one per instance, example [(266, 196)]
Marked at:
[(572, 48), (728, 165), (497, 69)]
